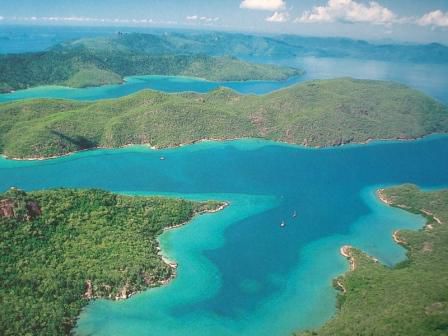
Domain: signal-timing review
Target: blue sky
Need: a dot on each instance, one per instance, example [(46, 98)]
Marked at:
[(411, 20)]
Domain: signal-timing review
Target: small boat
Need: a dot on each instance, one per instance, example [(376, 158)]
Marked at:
[(162, 158), (294, 214), (282, 224)]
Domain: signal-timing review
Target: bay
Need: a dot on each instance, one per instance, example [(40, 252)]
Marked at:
[(239, 271)]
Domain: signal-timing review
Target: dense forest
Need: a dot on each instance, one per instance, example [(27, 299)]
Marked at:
[(99, 61), (315, 113), (412, 297), (60, 248)]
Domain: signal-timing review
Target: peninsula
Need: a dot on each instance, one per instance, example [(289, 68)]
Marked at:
[(315, 113), (61, 248)]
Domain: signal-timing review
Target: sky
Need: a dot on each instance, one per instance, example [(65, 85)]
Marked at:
[(400, 20)]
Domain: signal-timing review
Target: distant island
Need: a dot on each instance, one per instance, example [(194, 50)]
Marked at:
[(408, 299), (245, 45), (61, 248), (315, 113), (96, 61), (101, 61)]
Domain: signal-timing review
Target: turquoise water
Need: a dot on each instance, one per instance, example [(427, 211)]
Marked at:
[(134, 84), (240, 273)]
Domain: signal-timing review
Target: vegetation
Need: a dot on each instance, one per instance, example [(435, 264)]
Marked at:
[(409, 299), (59, 248), (107, 60), (317, 113), (96, 63), (241, 45)]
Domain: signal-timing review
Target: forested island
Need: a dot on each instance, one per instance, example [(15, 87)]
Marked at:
[(61, 248), (315, 113), (96, 61), (100, 61), (408, 299)]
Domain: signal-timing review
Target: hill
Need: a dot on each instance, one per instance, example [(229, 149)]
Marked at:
[(316, 113), (99, 62), (410, 298), (242, 45), (61, 248)]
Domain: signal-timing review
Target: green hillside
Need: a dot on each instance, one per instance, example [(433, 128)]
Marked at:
[(409, 299), (317, 113), (60, 248), (97, 63)]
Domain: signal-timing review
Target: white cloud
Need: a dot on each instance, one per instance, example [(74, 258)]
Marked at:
[(270, 5), (83, 19), (349, 11), (278, 17), (202, 19), (436, 18)]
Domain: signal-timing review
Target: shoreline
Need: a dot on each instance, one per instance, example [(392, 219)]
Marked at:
[(345, 251), (127, 79), (170, 263), (193, 142)]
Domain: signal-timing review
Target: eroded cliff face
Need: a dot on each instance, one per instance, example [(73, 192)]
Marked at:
[(15, 204)]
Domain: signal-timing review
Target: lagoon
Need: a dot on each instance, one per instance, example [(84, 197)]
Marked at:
[(239, 272)]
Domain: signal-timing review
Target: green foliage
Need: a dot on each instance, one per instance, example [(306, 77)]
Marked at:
[(316, 113), (81, 237), (219, 43), (93, 77), (99, 62), (410, 299)]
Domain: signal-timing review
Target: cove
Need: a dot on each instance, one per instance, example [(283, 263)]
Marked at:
[(239, 272)]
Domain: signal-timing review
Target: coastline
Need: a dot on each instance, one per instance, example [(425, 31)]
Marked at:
[(172, 264), (126, 79), (193, 142), (346, 250)]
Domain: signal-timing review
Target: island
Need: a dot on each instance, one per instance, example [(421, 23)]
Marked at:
[(61, 248), (316, 113), (100, 61), (410, 298)]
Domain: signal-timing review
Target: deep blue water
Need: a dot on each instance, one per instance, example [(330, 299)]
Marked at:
[(256, 267)]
